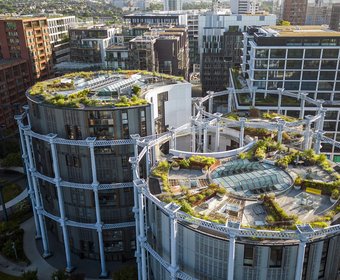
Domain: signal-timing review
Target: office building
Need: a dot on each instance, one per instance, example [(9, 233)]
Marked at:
[(335, 17), (294, 11), (59, 38), (299, 59), (220, 42), (28, 39)]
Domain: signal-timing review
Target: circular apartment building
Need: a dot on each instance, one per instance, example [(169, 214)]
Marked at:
[(268, 209), (234, 198), (76, 144)]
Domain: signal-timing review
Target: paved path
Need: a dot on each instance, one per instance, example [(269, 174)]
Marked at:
[(15, 200), (30, 248)]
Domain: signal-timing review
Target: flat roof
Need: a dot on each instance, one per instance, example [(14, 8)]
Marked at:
[(300, 31), (100, 88)]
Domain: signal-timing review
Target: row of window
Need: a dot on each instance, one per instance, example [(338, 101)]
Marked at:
[(297, 53)]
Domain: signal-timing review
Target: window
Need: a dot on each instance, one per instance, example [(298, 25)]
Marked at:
[(248, 259), (278, 53), (295, 53), (275, 259), (312, 53), (125, 125), (72, 160), (330, 53), (142, 123)]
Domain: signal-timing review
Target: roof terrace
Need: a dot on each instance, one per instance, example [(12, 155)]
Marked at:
[(279, 189), (101, 88)]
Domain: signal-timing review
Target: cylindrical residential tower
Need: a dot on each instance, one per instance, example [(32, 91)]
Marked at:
[(76, 142)]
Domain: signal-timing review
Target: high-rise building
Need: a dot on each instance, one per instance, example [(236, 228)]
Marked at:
[(335, 17), (14, 81), (172, 5), (59, 38), (318, 14), (88, 44), (244, 6), (163, 50), (194, 56), (295, 11), (220, 42), (142, 53), (28, 39), (157, 18), (82, 179), (301, 60)]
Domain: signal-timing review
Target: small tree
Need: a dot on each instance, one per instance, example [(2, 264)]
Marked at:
[(30, 275)]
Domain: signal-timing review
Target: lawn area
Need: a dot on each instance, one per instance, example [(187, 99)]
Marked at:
[(10, 191), (4, 276)]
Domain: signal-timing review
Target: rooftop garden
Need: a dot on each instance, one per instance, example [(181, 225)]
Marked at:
[(194, 198), (63, 91)]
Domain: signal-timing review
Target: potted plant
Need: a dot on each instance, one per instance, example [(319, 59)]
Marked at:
[(175, 166), (205, 169), (335, 195), (260, 199), (297, 183)]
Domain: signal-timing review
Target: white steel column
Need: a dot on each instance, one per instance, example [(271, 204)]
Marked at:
[(62, 220), (230, 95), (29, 177), (140, 184), (231, 258), (211, 99), (39, 206), (172, 144), (217, 136), (135, 209), (217, 131), (242, 123), (306, 143), (317, 145), (193, 136), (205, 138), (279, 103), (303, 96), (300, 260), (281, 124), (173, 208), (99, 224), (322, 113)]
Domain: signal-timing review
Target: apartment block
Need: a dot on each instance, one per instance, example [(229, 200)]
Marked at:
[(172, 5), (157, 18), (335, 17), (220, 42), (14, 81), (88, 44), (294, 11), (299, 59), (28, 39), (244, 6), (59, 38)]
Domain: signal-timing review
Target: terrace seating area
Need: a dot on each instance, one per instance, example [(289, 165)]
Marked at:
[(245, 178)]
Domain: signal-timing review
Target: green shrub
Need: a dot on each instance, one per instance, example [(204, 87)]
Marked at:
[(335, 194), (12, 159)]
